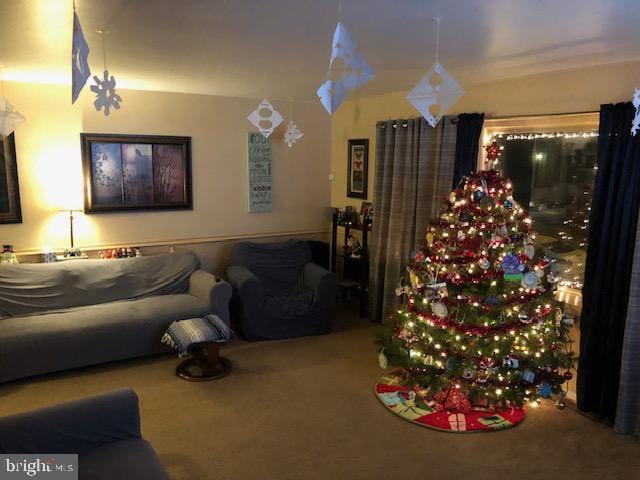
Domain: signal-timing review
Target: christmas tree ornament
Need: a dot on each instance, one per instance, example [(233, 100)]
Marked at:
[(528, 376), (105, 87), (484, 263), (635, 125), (439, 309), (492, 152), (292, 134), (468, 374), (437, 91), (265, 118), (530, 280), (544, 390), (80, 71), (430, 238), (355, 70), (529, 250), (382, 360), (567, 375), (477, 195)]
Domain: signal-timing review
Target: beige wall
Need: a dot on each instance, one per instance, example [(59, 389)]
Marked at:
[(50, 172), (558, 92)]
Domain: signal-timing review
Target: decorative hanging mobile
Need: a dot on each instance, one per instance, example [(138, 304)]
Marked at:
[(80, 71), (635, 125), (293, 134), (265, 118), (355, 69), (105, 88), (436, 91), (493, 152), (9, 117)]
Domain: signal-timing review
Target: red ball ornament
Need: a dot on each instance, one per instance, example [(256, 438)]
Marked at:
[(567, 375), (554, 346)]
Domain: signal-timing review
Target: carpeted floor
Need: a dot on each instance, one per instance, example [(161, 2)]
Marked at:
[(305, 409)]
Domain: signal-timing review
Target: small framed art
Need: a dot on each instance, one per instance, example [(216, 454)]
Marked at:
[(358, 168)]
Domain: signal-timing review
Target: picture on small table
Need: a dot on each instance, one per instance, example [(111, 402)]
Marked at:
[(134, 172), (366, 212), (358, 168)]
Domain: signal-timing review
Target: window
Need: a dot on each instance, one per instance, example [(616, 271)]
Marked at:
[(551, 161)]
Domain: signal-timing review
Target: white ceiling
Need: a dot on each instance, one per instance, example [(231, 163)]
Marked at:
[(280, 48)]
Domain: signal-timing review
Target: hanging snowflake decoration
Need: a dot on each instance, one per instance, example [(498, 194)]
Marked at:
[(293, 134), (435, 93), (355, 70), (105, 90), (635, 124), (265, 118)]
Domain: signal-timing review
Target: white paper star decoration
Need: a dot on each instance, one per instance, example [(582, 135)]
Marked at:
[(435, 93), (356, 71), (265, 118), (106, 96), (293, 134), (635, 124), (9, 118)]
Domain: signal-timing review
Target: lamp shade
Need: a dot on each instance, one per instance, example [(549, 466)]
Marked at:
[(9, 118)]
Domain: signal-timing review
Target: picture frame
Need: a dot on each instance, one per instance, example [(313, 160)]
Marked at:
[(358, 168), (366, 212), (10, 209), (136, 172)]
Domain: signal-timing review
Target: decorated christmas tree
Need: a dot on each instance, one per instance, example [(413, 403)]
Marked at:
[(479, 326)]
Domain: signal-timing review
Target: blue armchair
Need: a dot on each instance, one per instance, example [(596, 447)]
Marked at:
[(104, 430), (278, 292)]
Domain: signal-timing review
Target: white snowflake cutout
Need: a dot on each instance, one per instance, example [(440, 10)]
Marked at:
[(293, 134), (106, 96), (635, 124), (9, 117), (265, 118), (435, 93), (356, 71), (332, 94)]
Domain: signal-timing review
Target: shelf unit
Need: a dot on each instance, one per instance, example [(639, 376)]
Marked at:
[(355, 270)]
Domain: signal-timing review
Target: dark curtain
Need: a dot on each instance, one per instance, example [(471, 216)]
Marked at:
[(467, 142), (612, 235)]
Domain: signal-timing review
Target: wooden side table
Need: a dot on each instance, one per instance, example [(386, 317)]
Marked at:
[(205, 363)]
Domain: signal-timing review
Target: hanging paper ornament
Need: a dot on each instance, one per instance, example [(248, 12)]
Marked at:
[(437, 91), (635, 125), (265, 118), (106, 96), (356, 70), (80, 71), (9, 117), (434, 94), (293, 134)]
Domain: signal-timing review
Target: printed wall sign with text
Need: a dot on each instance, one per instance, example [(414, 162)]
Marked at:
[(259, 173)]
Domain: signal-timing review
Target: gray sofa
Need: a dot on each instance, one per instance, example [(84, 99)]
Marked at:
[(278, 292), (103, 430), (70, 314)]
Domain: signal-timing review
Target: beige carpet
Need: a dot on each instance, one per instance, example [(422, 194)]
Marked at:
[(305, 409)]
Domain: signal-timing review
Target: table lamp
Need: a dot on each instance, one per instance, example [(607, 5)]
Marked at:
[(72, 251)]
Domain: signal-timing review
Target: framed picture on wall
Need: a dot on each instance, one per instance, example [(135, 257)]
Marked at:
[(10, 211), (358, 168), (136, 172)]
